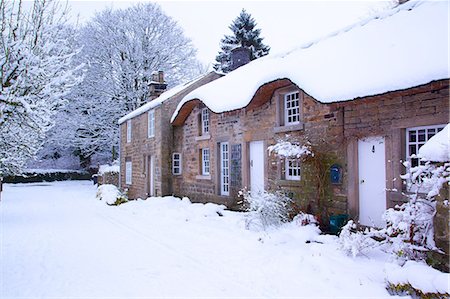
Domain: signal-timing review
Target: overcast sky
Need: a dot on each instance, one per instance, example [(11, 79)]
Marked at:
[(284, 24)]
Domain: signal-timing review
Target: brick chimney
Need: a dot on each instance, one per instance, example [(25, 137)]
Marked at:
[(157, 86), (239, 57)]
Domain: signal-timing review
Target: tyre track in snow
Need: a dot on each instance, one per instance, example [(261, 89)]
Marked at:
[(220, 279)]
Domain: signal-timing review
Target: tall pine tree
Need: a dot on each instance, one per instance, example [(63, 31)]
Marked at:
[(244, 35)]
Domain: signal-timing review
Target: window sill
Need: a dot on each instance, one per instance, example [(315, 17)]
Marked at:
[(288, 183), (203, 177), (289, 128), (203, 137), (149, 137)]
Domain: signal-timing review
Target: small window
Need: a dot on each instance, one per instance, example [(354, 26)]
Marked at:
[(128, 130), (291, 108), (205, 121), (205, 161), (128, 172), (292, 169), (416, 137), (151, 123), (176, 163)]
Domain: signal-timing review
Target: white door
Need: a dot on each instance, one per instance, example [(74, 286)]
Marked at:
[(151, 176), (257, 166), (224, 169), (372, 181)]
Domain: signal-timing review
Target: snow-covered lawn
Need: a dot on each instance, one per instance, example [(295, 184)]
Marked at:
[(58, 241)]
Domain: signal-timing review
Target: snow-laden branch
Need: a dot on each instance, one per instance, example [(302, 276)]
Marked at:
[(290, 150)]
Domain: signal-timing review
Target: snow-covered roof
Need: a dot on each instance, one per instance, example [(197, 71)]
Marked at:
[(159, 100), (403, 47), (437, 149)]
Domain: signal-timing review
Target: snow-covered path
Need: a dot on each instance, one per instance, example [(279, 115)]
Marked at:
[(58, 241)]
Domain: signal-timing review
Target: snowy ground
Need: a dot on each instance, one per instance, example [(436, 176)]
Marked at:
[(59, 241)]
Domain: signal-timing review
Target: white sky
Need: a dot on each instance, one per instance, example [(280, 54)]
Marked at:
[(284, 24)]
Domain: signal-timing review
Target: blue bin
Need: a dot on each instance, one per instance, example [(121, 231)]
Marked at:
[(337, 222)]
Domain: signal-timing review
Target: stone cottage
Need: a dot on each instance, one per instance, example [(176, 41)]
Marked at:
[(365, 98), (146, 141)]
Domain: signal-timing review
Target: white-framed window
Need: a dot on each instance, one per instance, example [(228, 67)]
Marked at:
[(205, 121), (205, 161), (176, 163), (151, 123), (224, 169), (128, 172), (416, 137), (128, 130), (292, 169), (291, 108)]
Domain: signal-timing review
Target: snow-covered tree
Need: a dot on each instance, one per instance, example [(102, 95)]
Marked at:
[(121, 50), (36, 72), (244, 35)]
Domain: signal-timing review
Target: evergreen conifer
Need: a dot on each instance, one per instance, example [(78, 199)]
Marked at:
[(244, 35)]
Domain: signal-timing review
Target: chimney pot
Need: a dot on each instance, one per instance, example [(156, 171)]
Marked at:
[(161, 77)]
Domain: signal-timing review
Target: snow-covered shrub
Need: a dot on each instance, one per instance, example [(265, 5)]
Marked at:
[(111, 195), (354, 241), (304, 219), (417, 280), (409, 229), (266, 209)]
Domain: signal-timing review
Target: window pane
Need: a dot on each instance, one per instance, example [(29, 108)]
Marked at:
[(412, 136), (421, 135)]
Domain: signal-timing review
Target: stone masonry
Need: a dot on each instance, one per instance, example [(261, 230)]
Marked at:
[(141, 147)]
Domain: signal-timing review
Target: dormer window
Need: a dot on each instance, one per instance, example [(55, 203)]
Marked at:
[(289, 116), (291, 108)]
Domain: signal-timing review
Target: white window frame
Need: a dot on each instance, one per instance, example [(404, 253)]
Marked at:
[(129, 131), (417, 144), (128, 172), (290, 99), (292, 165), (410, 187), (206, 165), (176, 169), (151, 123), (224, 169), (205, 121)]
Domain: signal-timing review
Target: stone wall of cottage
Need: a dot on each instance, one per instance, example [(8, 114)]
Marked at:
[(323, 128), (241, 127), (389, 115), (160, 146), (138, 150)]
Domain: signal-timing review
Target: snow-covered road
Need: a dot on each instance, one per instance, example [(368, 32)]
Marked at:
[(58, 241)]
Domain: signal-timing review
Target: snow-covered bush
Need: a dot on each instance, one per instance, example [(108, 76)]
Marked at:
[(304, 219), (354, 242), (266, 209), (111, 195)]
